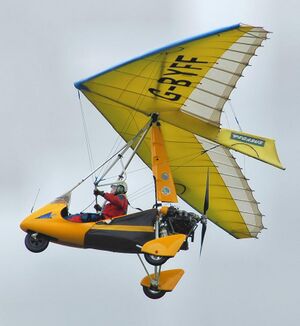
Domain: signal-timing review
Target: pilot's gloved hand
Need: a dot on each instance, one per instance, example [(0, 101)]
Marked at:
[(97, 207), (99, 192)]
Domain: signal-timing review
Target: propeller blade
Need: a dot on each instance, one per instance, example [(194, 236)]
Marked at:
[(205, 208), (206, 199), (203, 231)]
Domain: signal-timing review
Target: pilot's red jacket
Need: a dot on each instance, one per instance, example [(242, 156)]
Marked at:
[(117, 205)]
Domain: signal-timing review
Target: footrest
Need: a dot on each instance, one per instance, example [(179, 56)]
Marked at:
[(167, 279), (166, 246)]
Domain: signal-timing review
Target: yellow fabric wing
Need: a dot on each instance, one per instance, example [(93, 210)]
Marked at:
[(187, 84)]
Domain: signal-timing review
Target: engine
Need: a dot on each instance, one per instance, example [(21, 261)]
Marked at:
[(180, 221)]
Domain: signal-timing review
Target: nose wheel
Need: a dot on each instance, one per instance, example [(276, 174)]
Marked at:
[(35, 242)]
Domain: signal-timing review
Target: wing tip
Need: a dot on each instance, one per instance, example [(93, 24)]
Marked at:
[(80, 86)]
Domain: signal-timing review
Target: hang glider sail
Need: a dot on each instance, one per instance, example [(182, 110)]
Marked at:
[(187, 84)]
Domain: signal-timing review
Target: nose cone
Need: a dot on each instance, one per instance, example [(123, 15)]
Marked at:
[(23, 225), (41, 218), (38, 218), (27, 222)]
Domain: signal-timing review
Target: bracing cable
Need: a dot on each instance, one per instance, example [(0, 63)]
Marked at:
[(118, 139), (86, 135), (226, 116), (141, 192), (89, 205), (237, 121), (235, 116)]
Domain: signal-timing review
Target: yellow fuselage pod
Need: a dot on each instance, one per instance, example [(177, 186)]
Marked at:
[(167, 279), (166, 191), (127, 233), (48, 220)]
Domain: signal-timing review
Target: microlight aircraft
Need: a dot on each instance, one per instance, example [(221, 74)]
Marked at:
[(167, 106)]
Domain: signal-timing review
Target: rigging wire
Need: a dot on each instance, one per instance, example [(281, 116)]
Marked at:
[(86, 135), (142, 194), (139, 191), (241, 130), (235, 116), (137, 170), (89, 205), (130, 172), (227, 119), (115, 146), (118, 139)]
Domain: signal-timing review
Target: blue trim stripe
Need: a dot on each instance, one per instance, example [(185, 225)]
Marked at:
[(48, 215), (79, 85)]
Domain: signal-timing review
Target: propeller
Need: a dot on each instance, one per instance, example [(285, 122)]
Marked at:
[(203, 219)]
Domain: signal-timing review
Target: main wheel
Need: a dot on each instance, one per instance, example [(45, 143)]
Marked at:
[(155, 260), (153, 294), (36, 243)]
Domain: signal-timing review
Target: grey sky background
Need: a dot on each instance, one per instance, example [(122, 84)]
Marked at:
[(48, 45)]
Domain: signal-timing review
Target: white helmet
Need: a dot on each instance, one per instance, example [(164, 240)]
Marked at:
[(121, 187)]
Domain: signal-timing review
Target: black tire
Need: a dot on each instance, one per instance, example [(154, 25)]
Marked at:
[(155, 260), (36, 244), (153, 294)]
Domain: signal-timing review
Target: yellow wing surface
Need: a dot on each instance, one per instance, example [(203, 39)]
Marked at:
[(187, 84)]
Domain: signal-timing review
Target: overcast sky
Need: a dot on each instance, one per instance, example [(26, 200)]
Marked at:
[(48, 45)]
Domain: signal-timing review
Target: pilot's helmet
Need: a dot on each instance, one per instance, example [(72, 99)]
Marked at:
[(119, 188)]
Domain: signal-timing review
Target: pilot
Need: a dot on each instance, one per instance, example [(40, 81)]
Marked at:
[(117, 202), (116, 205)]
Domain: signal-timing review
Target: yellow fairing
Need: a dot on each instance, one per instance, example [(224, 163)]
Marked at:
[(48, 221), (161, 168), (167, 279), (123, 228), (187, 84), (166, 246)]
